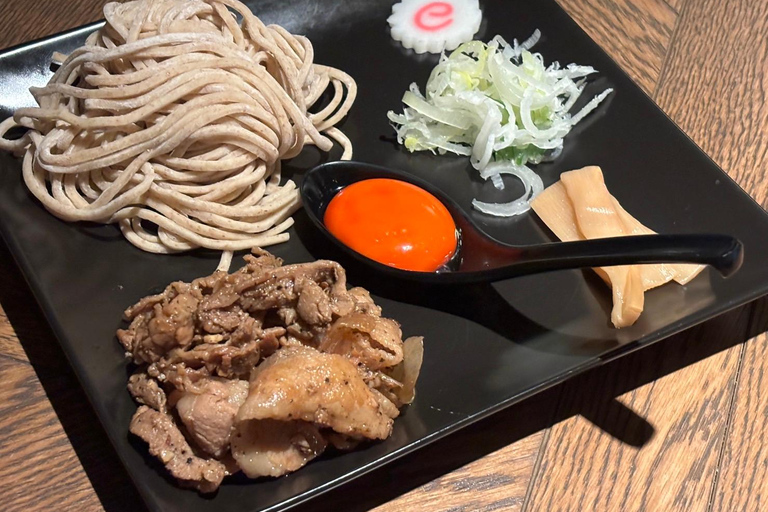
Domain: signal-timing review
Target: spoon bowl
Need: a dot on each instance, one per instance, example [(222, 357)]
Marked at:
[(480, 258)]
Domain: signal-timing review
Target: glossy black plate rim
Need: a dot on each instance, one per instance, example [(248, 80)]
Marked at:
[(303, 497)]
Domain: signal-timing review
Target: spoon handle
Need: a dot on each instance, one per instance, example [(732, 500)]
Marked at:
[(722, 252)]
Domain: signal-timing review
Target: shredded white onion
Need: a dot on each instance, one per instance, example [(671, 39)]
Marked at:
[(531, 181), (499, 104)]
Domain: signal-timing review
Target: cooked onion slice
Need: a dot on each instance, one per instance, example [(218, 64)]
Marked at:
[(408, 370)]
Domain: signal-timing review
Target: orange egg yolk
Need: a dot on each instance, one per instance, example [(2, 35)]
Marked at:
[(393, 222)]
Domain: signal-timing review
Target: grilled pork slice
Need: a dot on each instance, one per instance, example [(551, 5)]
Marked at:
[(274, 448), (167, 443), (208, 412), (372, 341), (300, 383)]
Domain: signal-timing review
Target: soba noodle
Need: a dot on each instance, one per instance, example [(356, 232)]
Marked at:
[(172, 121)]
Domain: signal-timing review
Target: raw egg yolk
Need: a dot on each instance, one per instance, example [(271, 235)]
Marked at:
[(393, 222)]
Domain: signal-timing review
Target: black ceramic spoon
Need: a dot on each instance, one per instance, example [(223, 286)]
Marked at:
[(480, 258)]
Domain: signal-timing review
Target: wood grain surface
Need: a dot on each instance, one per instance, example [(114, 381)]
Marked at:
[(680, 426), (684, 416), (30, 439), (635, 33), (676, 5)]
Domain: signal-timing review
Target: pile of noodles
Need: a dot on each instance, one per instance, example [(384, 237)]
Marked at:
[(172, 121)]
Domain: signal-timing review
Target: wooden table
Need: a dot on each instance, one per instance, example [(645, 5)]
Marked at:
[(679, 426)]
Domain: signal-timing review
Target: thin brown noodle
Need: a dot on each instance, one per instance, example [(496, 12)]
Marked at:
[(175, 114)]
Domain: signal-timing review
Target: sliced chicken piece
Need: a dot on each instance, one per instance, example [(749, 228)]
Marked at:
[(339, 441), (217, 321), (234, 358), (388, 407), (173, 324), (167, 443), (177, 375), (356, 300), (160, 323), (147, 304), (260, 261), (209, 412), (372, 341), (280, 287), (300, 383), (147, 391), (314, 305), (274, 448), (363, 301)]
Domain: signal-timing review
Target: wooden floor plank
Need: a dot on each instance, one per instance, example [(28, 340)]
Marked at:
[(689, 409), (732, 115), (498, 481), (9, 343), (722, 102), (676, 5), (743, 477), (45, 17), (658, 447), (31, 440), (636, 33)]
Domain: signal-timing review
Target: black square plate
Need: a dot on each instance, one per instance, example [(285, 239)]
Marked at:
[(486, 346)]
